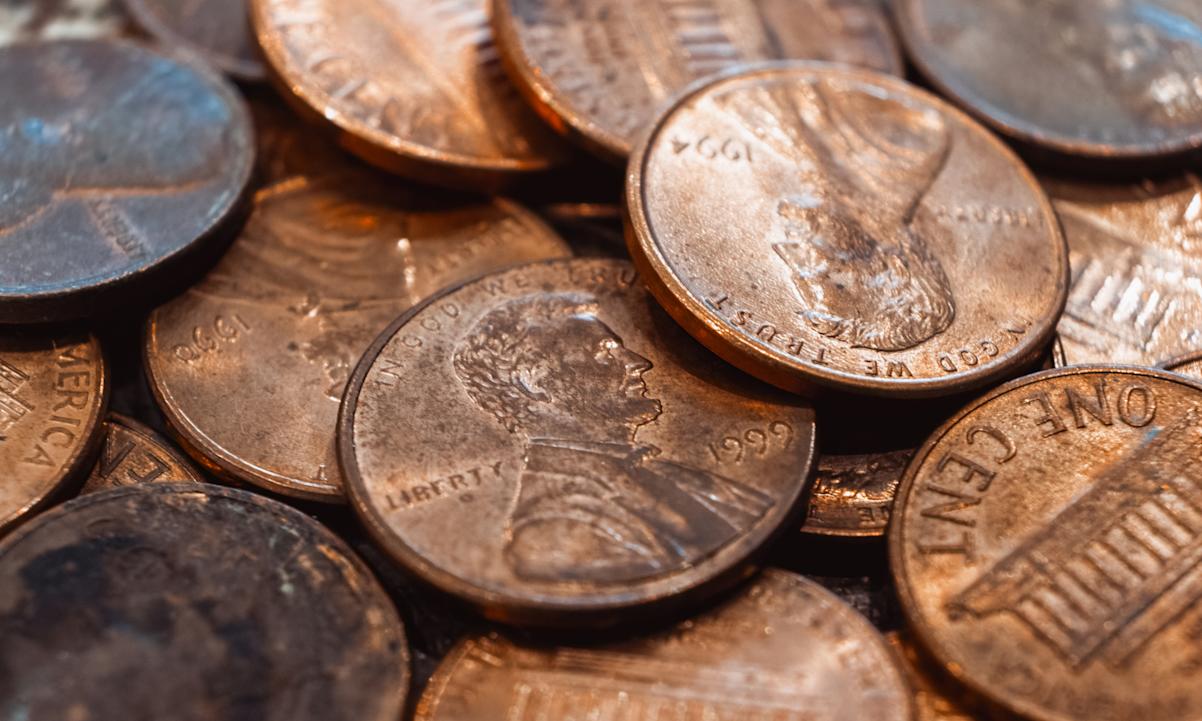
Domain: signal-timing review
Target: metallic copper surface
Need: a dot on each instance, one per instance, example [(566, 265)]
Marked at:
[(590, 458), (249, 365), (1047, 545), (414, 87), (131, 454), (853, 493), (117, 164), (784, 649), (1136, 257), (1114, 79), (192, 602), (826, 227), (935, 698), (53, 391), (218, 31), (1189, 365), (22, 20), (601, 71)]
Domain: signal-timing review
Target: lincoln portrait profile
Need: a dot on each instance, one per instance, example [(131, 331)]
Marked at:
[(591, 503)]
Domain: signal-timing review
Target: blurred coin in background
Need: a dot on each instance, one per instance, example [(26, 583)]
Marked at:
[(853, 493), (217, 31), (22, 20)]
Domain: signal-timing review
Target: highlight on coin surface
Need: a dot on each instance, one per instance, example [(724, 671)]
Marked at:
[(852, 495)]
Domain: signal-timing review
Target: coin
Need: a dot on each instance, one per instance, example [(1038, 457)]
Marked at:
[(117, 166), (1046, 544), (415, 87), (321, 266), (53, 391), (287, 146), (217, 31), (1112, 80), (784, 649), (1136, 290), (203, 603), (22, 20), (823, 227), (131, 453), (934, 698), (600, 72), (1188, 365), (591, 459), (853, 493)]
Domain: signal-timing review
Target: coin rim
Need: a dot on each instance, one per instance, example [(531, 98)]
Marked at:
[(148, 21), (149, 434)]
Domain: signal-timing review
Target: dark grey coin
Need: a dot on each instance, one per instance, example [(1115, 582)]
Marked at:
[(117, 165)]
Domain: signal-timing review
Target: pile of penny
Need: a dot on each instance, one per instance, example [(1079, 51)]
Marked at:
[(600, 360)]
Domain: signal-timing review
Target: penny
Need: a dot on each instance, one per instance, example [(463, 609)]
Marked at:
[(934, 698), (853, 493), (217, 31), (22, 20), (287, 146), (131, 454), (206, 603), (784, 649), (1189, 365), (1136, 290), (1112, 80), (600, 72), (321, 266), (591, 458), (416, 87), (824, 227), (117, 166), (1046, 544), (53, 391)]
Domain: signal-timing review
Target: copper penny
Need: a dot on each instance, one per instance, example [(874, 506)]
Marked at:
[(287, 146), (589, 456), (60, 19), (217, 31), (1110, 80), (53, 392), (826, 227), (935, 698), (1188, 365), (320, 268), (204, 603), (1136, 257), (131, 454), (784, 649), (1047, 545), (116, 166), (853, 493), (414, 87), (601, 71)]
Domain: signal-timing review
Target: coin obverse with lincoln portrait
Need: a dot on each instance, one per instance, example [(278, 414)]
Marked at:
[(588, 457)]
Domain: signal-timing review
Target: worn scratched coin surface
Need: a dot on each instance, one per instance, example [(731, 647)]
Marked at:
[(216, 30), (202, 604), (1136, 257), (321, 267), (601, 71), (1113, 79), (819, 225), (784, 649), (853, 493), (131, 453), (60, 19), (1047, 545), (589, 457), (116, 164), (53, 392), (415, 87)]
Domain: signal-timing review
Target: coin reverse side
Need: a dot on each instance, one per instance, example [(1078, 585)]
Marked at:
[(131, 453)]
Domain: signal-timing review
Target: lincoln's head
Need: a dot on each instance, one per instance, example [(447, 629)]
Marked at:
[(546, 367)]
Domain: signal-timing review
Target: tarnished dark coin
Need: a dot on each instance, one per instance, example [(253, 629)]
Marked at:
[(217, 31), (203, 603), (853, 493), (271, 335), (826, 227), (590, 457), (53, 391), (601, 71), (1136, 257), (116, 165), (22, 20), (1120, 79), (131, 454), (1046, 544), (784, 649), (934, 697)]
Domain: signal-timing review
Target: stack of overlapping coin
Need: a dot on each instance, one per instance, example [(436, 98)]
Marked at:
[(343, 375)]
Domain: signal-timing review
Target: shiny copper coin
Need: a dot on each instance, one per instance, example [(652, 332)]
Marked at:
[(784, 649), (1047, 545), (116, 165), (203, 603), (934, 697), (414, 87), (1136, 258), (821, 226), (1115, 79), (60, 19), (589, 457), (131, 454), (217, 31), (853, 493), (270, 336), (601, 71)]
